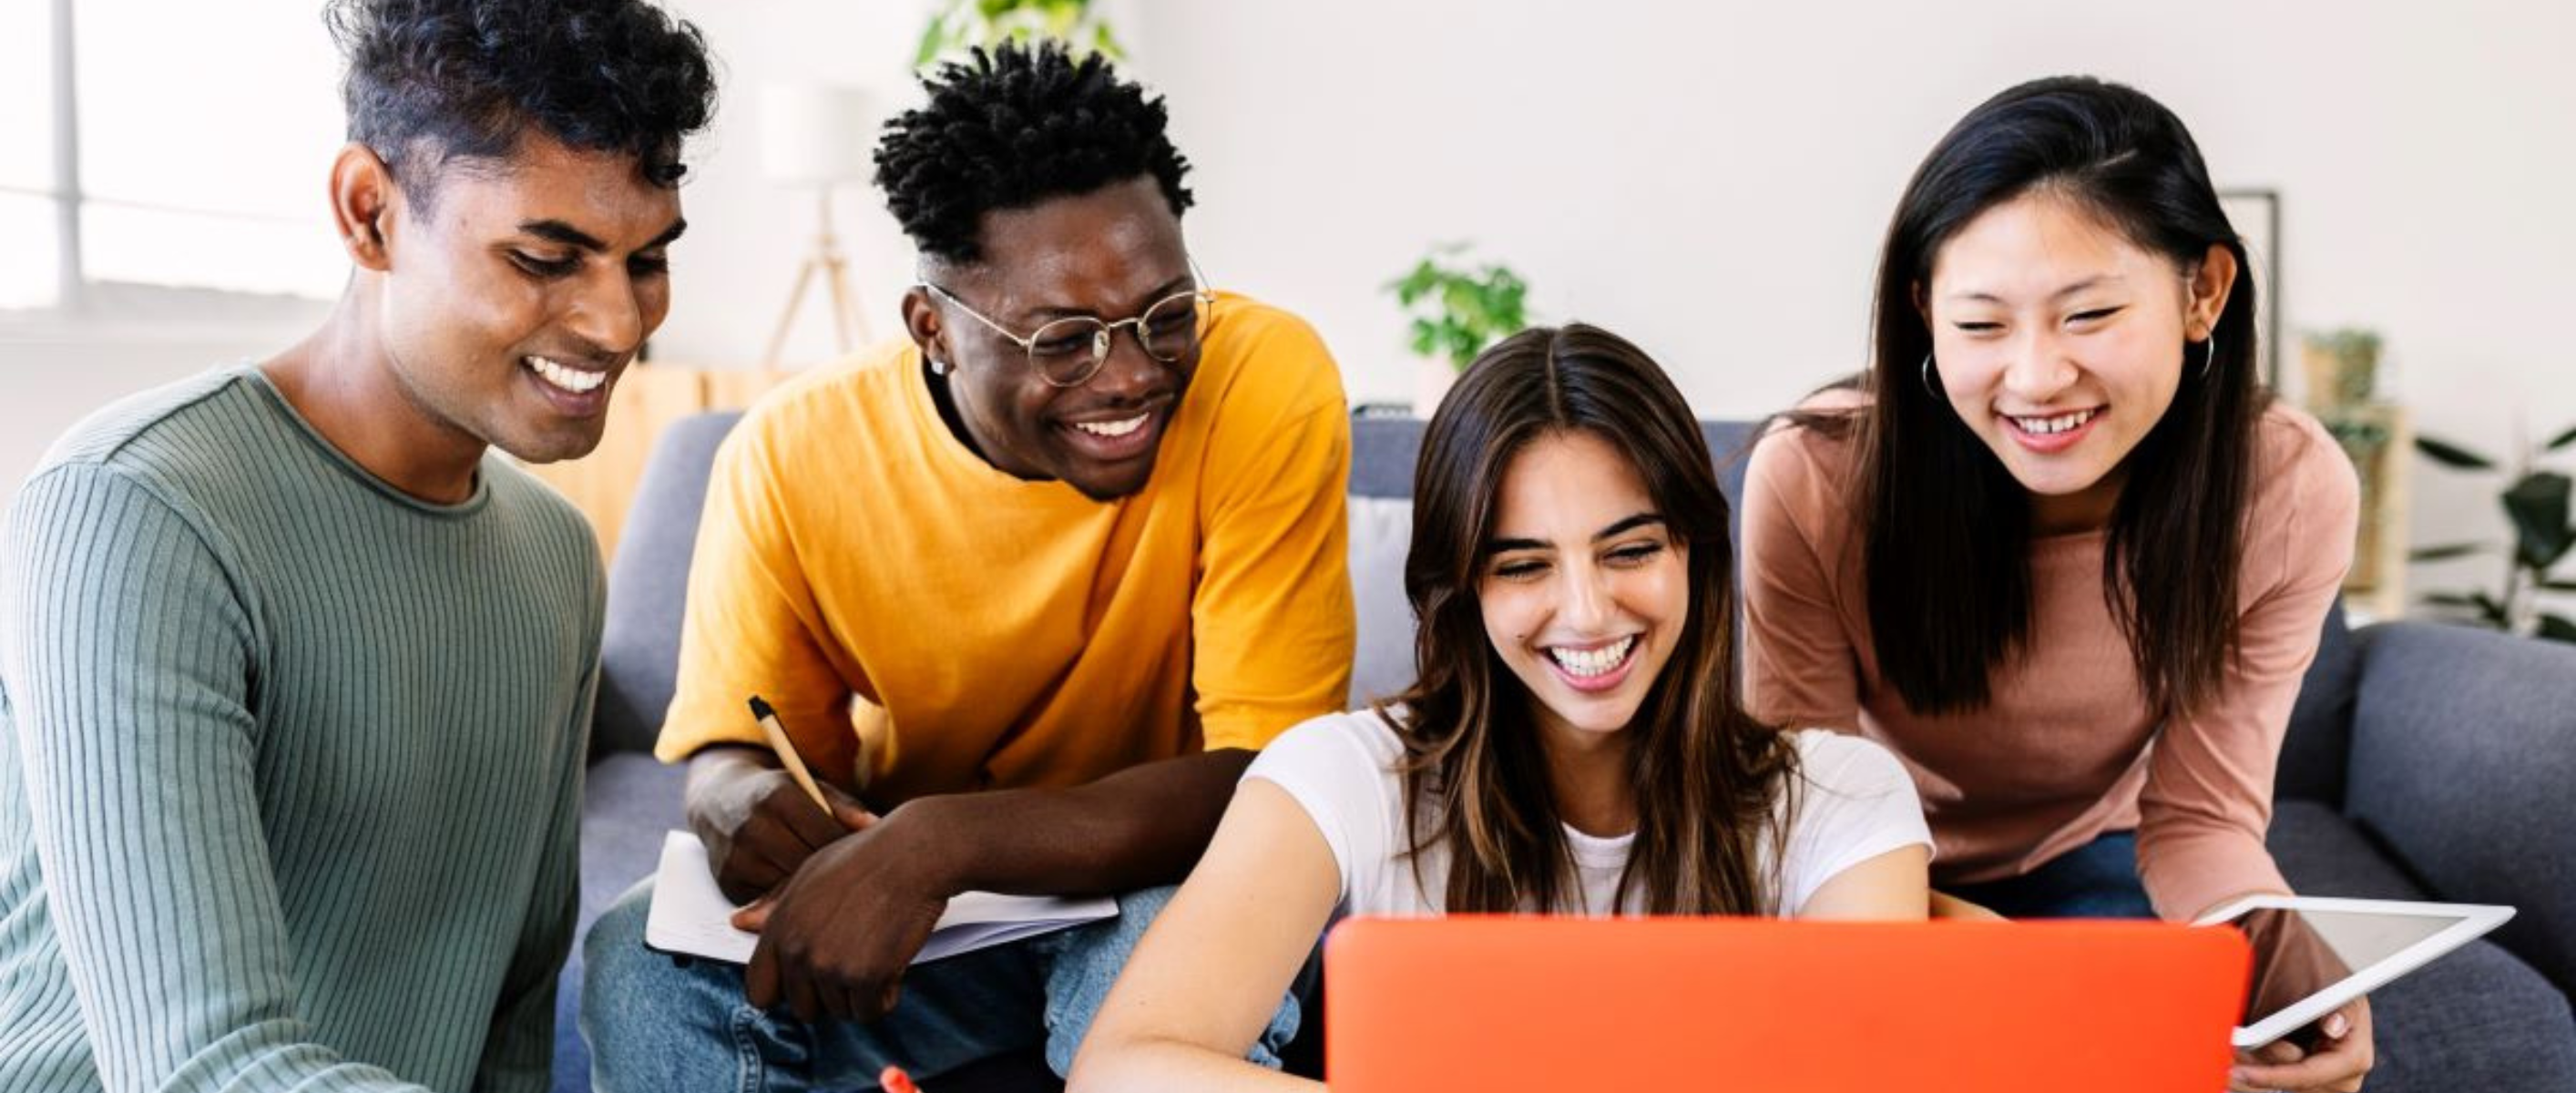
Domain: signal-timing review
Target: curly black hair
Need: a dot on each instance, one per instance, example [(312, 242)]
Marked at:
[(432, 81), (1012, 128)]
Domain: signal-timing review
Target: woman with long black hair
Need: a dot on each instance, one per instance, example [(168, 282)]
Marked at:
[(2058, 548)]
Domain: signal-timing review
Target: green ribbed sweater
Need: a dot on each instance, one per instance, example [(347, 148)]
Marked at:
[(289, 761)]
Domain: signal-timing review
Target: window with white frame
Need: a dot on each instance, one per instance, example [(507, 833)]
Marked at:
[(204, 134)]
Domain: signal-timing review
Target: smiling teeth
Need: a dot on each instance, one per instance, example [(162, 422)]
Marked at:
[(1586, 663), (574, 380), (2044, 426), (1113, 428)]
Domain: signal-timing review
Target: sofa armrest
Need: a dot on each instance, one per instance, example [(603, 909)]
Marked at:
[(2316, 755), (2464, 765)]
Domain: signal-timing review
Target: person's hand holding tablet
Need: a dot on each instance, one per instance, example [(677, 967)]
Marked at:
[(2307, 1023), (2335, 1062)]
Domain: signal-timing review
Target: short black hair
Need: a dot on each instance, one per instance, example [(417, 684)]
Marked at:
[(1014, 127), (433, 81)]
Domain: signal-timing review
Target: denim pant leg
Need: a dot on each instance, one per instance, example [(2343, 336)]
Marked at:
[(1086, 962), (654, 1025), (2096, 880)]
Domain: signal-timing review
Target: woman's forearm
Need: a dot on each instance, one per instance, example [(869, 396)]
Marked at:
[(1158, 1064)]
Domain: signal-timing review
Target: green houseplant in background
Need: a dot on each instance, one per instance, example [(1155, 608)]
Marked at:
[(1456, 308), (2536, 503), (2342, 365), (961, 25)]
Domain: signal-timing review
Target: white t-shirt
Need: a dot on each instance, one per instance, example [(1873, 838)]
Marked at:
[(1857, 803)]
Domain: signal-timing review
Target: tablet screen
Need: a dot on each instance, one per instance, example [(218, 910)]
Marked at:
[(2298, 953)]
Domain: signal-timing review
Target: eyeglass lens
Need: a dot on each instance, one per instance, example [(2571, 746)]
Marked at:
[(1069, 351)]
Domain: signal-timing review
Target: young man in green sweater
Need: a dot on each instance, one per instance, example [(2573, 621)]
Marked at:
[(295, 676)]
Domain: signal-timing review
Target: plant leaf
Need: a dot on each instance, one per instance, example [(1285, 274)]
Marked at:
[(1426, 338), (2558, 586), (2538, 505), (2452, 455), (2557, 628), (2491, 610), (2445, 552), (935, 40), (2561, 440)]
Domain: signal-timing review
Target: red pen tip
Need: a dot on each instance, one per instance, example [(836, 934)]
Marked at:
[(894, 1080)]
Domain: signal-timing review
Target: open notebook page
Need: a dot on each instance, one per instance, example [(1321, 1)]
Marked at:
[(692, 917)]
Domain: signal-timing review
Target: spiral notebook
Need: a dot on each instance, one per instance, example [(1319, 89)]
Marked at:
[(691, 916)]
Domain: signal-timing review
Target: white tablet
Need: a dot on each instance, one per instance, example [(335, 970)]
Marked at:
[(2313, 954)]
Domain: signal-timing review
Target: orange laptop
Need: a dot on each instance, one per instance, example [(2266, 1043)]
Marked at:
[(1765, 1006)]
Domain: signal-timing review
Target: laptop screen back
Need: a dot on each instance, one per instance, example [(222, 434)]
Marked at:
[(1748, 1005)]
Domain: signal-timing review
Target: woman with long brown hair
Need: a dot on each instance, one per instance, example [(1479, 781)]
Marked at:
[(1573, 743), (2058, 548)]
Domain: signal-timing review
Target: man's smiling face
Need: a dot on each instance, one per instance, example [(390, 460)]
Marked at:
[(1109, 254), (517, 298)]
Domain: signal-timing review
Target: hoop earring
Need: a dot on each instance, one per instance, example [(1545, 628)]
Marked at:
[(1928, 388), (2208, 356)]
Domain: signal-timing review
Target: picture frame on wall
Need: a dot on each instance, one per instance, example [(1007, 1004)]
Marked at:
[(2256, 215)]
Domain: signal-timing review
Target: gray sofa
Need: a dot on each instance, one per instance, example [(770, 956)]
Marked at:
[(2424, 762)]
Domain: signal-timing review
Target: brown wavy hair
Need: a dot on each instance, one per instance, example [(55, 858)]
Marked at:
[(1707, 775)]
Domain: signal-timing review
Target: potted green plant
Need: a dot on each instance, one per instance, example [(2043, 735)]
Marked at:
[(2342, 366), (2536, 504), (1456, 309), (961, 25)]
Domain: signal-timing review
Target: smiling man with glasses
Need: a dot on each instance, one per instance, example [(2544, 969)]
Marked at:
[(1026, 590)]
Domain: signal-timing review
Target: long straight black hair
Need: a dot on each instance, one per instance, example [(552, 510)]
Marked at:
[(1947, 532)]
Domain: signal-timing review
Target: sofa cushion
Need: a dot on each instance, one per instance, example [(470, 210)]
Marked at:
[(2463, 751), (1381, 531), (2479, 1018), (1383, 450), (2323, 854)]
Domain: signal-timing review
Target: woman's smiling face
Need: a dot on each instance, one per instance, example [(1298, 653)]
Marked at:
[(1584, 588), (2060, 343)]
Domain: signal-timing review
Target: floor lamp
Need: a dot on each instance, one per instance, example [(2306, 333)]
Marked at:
[(817, 136)]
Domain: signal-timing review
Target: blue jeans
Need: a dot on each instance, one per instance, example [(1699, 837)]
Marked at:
[(2096, 880), (656, 1025)]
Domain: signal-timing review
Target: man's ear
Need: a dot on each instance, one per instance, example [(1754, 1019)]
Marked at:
[(363, 199), (921, 322)]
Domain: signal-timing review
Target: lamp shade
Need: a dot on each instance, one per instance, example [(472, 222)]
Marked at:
[(815, 133)]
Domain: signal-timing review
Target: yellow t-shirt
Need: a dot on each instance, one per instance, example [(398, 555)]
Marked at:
[(925, 623)]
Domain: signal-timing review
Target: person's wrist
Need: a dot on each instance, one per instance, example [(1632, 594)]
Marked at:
[(929, 835), (723, 789)]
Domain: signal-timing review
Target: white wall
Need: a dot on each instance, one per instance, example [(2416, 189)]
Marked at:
[(1712, 179), (730, 277), (55, 369)]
